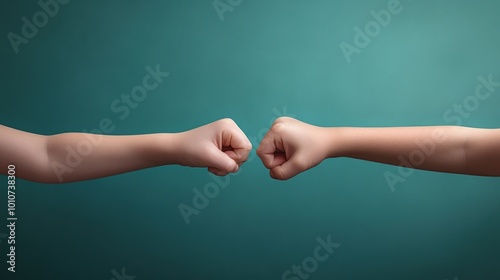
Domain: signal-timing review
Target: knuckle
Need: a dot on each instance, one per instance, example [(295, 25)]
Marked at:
[(279, 127), (247, 146), (259, 151), (282, 119), (227, 121)]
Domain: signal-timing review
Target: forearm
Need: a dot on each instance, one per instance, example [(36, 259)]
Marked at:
[(78, 156), (220, 146), (445, 149)]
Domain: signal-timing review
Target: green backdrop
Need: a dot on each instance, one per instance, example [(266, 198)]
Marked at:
[(253, 61)]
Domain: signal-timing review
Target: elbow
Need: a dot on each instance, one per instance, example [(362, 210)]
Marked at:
[(46, 173), (54, 164), (37, 161), (43, 179)]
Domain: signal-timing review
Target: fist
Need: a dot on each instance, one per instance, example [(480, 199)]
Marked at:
[(220, 146), (292, 146)]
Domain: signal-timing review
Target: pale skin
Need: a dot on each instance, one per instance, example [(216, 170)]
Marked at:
[(291, 147), (220, 146)]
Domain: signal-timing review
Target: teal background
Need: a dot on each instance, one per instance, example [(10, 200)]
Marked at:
[(263, 57)]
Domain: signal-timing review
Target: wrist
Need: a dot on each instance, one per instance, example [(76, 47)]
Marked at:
[(336, 146), (168, 148)]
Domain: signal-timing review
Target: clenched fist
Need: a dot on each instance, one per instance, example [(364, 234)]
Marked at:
[(221, 146), (289, 147), (292, 146)]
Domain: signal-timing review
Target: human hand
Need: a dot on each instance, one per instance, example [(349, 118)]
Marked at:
[(221, 146), (292, 146)]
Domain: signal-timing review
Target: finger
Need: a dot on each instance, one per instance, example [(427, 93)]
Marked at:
[(217, 172), (288, 169), (279, 159), (238, 158), (238, 142), (240, 151), (271, 150), (218, 160), (220, 172)]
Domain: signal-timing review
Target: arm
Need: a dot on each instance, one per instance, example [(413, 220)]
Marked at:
[(291, 147), (221, 146)]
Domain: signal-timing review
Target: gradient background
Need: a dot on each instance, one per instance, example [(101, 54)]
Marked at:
[(263, 57)]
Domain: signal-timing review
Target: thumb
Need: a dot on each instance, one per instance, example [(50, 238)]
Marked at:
[(221, 161), (288, 169)]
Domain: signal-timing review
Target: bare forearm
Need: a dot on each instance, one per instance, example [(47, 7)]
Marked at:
[(444, 149), (220, 146), (78, 156)]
